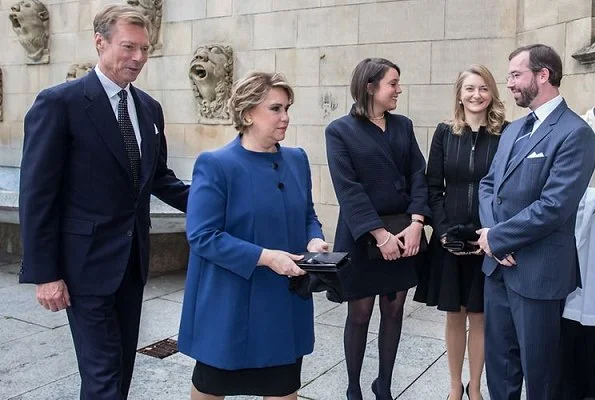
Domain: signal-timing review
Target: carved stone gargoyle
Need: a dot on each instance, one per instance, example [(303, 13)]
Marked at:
[(153, 11), (78, 70), (211, 74), (31, 21)]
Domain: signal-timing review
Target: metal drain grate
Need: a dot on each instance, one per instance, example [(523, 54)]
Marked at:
[(161, 349)]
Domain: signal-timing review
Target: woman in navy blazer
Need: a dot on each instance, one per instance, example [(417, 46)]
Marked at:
[(377, 169), (250, 212)]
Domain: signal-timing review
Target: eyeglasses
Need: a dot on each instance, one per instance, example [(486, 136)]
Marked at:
[(514, 76)]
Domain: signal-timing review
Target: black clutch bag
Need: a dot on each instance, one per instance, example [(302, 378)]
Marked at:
[(394, 223), (458, 238), (323, 262)]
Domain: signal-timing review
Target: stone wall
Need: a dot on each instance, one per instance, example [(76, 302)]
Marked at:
[(316, 43)]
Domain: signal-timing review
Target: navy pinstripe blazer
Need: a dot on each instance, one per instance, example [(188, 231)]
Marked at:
[(530, 207)]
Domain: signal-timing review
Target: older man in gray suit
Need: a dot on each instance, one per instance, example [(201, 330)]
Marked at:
[(528, 205)]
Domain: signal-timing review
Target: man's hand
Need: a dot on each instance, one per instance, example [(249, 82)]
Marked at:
[(507, 261), (53, 295), (317, 245)]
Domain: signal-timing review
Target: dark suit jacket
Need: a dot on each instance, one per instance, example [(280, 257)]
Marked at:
[(78, 207), (530, 207)]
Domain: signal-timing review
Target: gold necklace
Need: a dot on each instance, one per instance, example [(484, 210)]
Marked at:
[(376, 118)]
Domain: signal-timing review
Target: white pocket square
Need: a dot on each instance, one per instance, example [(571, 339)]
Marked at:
[(156, 130), (535, 155)]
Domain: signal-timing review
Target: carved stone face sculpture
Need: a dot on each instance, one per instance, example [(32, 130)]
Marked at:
[(152, 10), (78, 70), (211, 73), (31, 22)]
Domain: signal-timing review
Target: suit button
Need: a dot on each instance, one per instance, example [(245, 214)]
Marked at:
[(498, 200), (129, 233)]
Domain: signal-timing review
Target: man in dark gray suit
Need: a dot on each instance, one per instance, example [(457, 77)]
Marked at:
[(528, 205)]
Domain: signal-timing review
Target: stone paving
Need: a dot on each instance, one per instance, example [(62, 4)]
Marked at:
[(37, 359)]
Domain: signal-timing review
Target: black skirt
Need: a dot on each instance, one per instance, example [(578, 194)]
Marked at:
[(274, 381), (450, 282)]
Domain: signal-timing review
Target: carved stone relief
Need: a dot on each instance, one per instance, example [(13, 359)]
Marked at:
[(328, 104), (211, 74), (153, 11), (31, 21), (1, 97), (78, 70), (586, 55)]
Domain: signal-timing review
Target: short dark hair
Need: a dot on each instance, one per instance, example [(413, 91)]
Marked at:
[(542, 56), (369, 70)]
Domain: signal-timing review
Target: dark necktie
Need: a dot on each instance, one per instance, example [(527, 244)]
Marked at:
[(523, 135), (129, 137)]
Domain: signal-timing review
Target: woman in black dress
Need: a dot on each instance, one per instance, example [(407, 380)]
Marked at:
[(460, 155), (377, 169)]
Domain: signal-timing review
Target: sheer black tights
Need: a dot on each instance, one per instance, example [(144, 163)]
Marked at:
[(356, 333)]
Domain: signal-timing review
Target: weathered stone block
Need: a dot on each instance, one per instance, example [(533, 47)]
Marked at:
[(466, 19), (300, 66), (62, 46), (199, 138), (427, 104), (184, 10), (178, 106), (169, 252), (405, 21), (414, 59), (219, 8), (235, 31), (252, 7), (167, 73), (64, 17), (327, 191), (327, 26), (554, 36), (315, 171), (258, 60), (318, 105), (579, 34), (279, 5), (337, 63), (85, 47), (177, 38), (546, 15), (449, 57), (327, 215), (569, 10), (311, 139), (275, 30)]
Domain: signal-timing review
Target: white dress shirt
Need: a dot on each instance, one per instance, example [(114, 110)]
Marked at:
[(112, 90), (544, 110)]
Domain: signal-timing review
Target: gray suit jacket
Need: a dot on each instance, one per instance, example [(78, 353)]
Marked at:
[(530, 207)]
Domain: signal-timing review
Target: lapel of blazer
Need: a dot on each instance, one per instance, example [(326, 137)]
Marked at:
[(101, 114), (544, 129), (148, 136)]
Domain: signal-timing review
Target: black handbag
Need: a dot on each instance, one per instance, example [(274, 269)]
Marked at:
[(394, 223), (458, 238), (323, 262)]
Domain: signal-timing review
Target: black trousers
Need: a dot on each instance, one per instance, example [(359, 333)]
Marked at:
[(105, 335), (578, 361)]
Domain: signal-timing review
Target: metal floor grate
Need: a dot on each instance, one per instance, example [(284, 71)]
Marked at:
[(161, 349)]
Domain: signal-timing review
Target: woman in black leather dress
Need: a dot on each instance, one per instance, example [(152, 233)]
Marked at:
[(460, 155)]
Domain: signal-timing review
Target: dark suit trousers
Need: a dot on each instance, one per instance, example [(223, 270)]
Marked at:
[(522, 339), (578, 361), (105, 334)]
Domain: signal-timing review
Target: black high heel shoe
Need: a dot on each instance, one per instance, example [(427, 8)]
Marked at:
[(375, 390), (467, 393), (463, 390)]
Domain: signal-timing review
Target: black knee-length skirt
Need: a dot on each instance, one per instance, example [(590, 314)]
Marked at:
[(274, 381)]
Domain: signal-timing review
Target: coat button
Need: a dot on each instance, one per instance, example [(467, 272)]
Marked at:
[(129, 233), (498, 200)]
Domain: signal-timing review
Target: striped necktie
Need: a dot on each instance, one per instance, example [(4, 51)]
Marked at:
[(129, 137), (523, 135)]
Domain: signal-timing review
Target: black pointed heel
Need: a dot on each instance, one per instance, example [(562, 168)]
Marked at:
[(463, 390)]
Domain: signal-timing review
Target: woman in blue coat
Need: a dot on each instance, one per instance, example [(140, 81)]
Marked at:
[(377, 170), (250, 212)]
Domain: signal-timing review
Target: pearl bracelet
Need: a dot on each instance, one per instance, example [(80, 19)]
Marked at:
[(386, 241)]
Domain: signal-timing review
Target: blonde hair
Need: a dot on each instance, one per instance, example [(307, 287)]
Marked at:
[(104, 21), (495, 111), (250, 91)]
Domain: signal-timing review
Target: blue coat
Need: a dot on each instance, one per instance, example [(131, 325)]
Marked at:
[(237, 314)]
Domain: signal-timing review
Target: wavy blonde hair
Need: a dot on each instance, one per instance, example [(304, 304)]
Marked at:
[(250, 91), (495, 111)]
